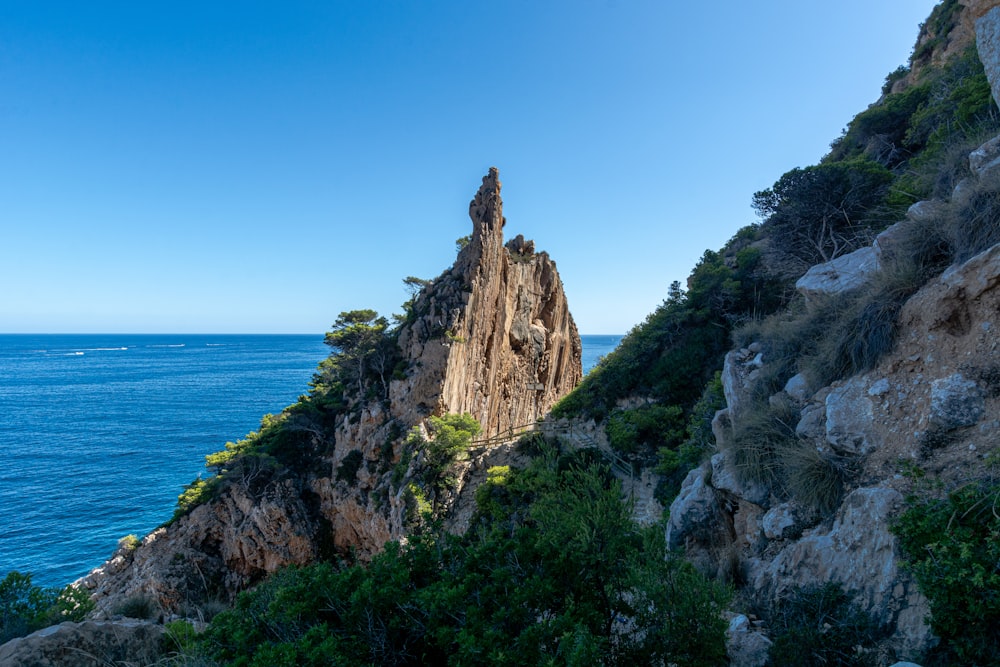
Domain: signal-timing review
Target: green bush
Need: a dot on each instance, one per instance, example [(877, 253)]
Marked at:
[(553, 571), (347, 471), (952, 548), (26, 607), (648, 426)]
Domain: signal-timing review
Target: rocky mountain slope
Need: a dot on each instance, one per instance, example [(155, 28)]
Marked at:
[(492, 336)]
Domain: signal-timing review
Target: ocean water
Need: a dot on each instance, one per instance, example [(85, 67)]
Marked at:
[(99, 433), (595, 347)]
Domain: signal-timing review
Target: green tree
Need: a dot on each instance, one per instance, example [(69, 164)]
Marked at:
[(821, 212), (364, 350)]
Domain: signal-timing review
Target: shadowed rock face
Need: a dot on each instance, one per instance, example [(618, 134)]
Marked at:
[(492, 336)]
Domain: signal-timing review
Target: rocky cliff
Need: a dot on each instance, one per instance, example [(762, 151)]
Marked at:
[(492, 336), (931, 403)]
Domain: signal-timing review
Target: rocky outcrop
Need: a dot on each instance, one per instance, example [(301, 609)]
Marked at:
[(941, 378), (491, 336), (495, 336), (87, 644)]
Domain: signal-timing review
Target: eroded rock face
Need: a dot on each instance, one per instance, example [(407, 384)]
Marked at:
[(495, 332), (492, 336)]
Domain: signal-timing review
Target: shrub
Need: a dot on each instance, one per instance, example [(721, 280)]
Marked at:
[(813, 479), (559, 572), (760, 432), (26, 607), (137, 606), (129, 543), (972, 222), (952, 548), (196, 493), (820, 626), (347, 471), (647, 426)]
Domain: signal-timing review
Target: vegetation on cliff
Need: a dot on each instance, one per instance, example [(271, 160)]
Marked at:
[(26, 607), (554, 571)]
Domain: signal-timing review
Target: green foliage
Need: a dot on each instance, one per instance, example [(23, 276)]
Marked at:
[(952, 548), (648, 426), (461, 242), (820, 626), (365, 354), (129, 543), (25, 607), (821, 212), (418, 507), (678, 349), (451, 435), (196, 493), (937, 27), (492, 495), (181, 638), (554, 571), (347, 471), (909, 130)]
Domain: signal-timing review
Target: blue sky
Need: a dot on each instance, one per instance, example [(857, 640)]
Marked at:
[(262, 166)]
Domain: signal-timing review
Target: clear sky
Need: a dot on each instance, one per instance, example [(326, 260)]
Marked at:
[(262, 166)]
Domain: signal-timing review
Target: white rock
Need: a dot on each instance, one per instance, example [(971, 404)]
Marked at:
[(797, 387), (843, 274), (724, 478), (879, 387), (745, 646), (849, 414)]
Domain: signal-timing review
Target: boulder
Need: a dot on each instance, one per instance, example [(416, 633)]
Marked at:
[(737, 372), (783, 521), (745, 646), (89, 644), (797, 387), (985, 158), (812, 423), (843, 274), (724, 478), (695, 511), (922, 211), (849, 415), (894, 237), (956, 402)]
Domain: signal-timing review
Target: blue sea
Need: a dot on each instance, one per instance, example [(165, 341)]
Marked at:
[(100, 432)]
